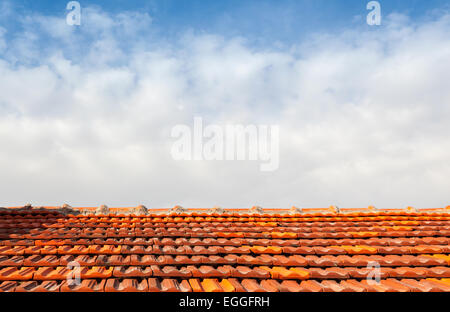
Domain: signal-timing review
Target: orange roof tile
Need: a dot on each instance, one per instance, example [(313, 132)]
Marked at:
[(137, 249)]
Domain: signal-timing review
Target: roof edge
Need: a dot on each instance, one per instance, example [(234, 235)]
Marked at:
[(178, 210)]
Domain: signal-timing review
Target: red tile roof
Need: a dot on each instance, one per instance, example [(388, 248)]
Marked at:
[(216, 250)]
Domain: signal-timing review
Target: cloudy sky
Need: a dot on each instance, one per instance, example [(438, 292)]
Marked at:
[(86, 112)]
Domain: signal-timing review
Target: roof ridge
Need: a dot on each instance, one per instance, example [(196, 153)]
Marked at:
[(255, 210)]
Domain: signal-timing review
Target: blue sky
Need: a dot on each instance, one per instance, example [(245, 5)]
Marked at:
[(87, 112), (261, 21)]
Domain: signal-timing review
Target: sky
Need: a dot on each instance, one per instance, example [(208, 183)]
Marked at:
[(87, 112)]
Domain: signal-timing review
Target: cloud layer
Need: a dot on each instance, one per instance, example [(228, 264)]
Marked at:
[(86, 114)]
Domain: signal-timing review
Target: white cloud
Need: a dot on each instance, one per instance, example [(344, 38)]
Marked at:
[(363, 115)]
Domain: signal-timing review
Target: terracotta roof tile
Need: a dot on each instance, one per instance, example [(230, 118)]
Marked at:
[(85, 286), (333, 286), (419, 286), (211, 285), (137, 249), (15, 261), (37, 286), (439, 284), (8, 286), (125, 285)]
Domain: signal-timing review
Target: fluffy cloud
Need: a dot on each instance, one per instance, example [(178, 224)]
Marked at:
[(86, 115)]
